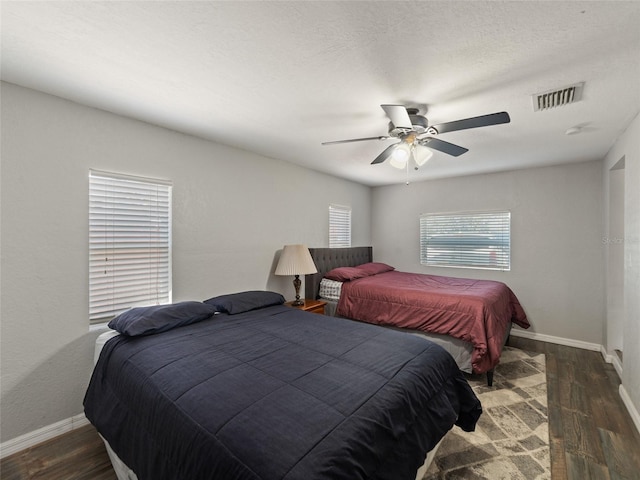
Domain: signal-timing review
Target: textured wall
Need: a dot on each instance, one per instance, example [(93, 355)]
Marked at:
[(556, 235), (232, 212)]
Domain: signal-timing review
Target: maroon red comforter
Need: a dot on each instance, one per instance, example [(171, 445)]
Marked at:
[(476, 311)]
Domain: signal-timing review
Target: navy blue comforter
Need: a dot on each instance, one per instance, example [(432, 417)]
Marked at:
[(276, 393)]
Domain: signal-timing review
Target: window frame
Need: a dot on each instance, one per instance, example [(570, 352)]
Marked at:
[(457, 240), (339, 226), (130, 243)]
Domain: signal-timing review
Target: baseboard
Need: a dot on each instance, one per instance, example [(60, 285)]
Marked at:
[(568, 342), (613, 359), (617, 365), (41, 435), (631, 408)]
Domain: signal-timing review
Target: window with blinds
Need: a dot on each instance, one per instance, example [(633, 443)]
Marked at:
[(466, 240), (339, 226), (129, 243)]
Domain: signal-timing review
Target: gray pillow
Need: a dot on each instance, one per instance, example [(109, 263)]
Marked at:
[(245, 301), (160, 318)]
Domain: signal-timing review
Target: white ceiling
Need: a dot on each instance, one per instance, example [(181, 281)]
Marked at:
[(279, 78)]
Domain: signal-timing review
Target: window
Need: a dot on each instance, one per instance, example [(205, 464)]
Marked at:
[(339, 226), (466, 240), (129, 243)]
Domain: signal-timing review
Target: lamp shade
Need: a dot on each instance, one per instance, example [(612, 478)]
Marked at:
[(421, 155), (295, 260)]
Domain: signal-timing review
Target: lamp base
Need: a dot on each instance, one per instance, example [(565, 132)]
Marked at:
[(296, 284)]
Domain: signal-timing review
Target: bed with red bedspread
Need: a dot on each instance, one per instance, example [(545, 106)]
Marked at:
[(468, 314), (475, 311)]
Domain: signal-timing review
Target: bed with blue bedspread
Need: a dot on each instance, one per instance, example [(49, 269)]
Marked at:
[(245, 388)]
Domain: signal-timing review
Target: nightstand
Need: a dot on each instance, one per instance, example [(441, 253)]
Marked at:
[(313, 306)]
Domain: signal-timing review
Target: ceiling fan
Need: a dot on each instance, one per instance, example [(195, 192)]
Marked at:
[(417, 136)]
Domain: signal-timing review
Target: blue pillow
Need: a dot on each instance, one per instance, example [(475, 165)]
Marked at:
[(245, 301), (160, 318)]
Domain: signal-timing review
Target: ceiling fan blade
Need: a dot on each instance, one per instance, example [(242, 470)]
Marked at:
[(385, 154), (398, 116), (474, 122), (442, 146), (356, 140)]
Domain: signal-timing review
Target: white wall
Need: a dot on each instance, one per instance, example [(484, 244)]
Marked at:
[(628, 147), (556, 238), (232, 212)]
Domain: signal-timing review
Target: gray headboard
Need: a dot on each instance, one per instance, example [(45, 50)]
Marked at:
[(329, 258)]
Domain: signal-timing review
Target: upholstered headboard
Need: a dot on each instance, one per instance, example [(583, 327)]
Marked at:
[(329, 258)]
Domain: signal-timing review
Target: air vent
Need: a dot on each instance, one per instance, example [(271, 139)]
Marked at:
[(557, 98)]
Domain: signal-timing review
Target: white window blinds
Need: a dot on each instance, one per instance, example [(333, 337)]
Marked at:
[(466, 240), (129, 243), (339, 226)]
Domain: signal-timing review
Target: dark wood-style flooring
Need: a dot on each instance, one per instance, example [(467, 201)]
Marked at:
[(591, 433)]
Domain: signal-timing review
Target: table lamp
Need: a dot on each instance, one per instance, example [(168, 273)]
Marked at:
[(296, 260)]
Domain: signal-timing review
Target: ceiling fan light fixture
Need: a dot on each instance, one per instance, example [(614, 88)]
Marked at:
[(400, 156), (421, 155)]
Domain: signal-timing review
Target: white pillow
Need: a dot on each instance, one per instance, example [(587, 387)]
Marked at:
[(330, 289)]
